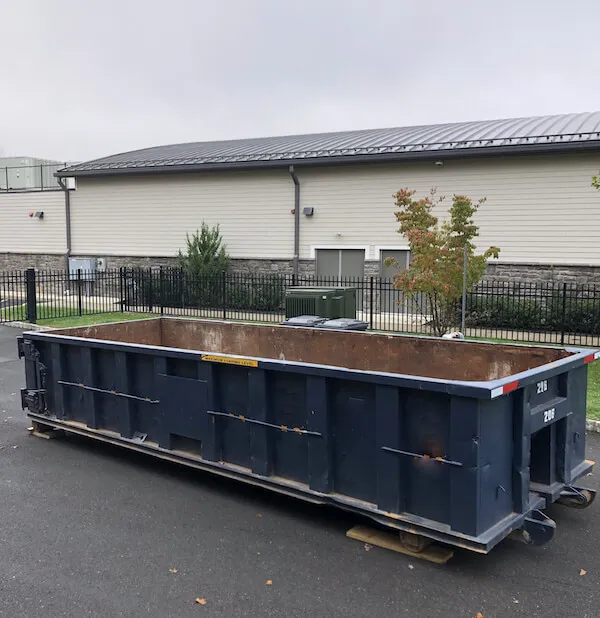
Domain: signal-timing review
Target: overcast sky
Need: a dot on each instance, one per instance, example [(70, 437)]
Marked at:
[(83, 79)]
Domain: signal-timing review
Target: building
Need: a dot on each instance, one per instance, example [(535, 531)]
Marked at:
[(28, 174), (323, 203)]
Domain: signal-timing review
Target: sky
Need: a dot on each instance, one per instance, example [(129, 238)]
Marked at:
[(81, 80)]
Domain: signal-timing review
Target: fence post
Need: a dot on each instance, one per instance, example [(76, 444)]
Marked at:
[(122, 299), (223, 294), (150, 291), (564, 314), (463, 311), (31, 303), (371, 284), (79, 299), (161, 290), (41, 177)]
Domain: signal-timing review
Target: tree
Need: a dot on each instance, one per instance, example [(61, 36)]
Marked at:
[(435, 273), (205, 252), (596, 182)]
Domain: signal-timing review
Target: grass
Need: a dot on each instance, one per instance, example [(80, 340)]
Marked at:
[(593, 394), (90, 320), (15, 313)]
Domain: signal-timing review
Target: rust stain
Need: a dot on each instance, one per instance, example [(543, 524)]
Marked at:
[(433, 358)]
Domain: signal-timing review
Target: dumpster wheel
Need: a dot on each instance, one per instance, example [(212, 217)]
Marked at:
[(414, 542), (576, 497), (388, 539)]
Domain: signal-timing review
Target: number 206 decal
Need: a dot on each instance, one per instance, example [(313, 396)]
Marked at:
[(542, 386), (549, 415)]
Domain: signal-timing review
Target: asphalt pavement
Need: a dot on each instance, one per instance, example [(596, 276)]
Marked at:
[(91, 530)]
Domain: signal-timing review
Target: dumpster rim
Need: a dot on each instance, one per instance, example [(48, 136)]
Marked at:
[(491, 389)]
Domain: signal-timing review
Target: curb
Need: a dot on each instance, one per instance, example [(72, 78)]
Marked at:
[(593, 426), (26, 326)]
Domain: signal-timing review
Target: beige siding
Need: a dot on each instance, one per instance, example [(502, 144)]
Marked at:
[(538, 210), (20, 233), (149, 216)]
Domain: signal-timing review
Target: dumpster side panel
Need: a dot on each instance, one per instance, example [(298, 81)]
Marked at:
[(577, 395), (287, 401), (496, 462), (426, 432), (353, 439)]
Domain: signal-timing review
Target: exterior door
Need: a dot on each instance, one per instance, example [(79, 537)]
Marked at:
[(335, 265), (392, 298)]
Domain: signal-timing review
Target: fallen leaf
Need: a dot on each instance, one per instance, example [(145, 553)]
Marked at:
[(200, 601), (368, 547), (410, 566), (515, 601), (582, 572), (258, 553), (172, 570), (479, 615), (259, 515), (16, 446), (269, 582)]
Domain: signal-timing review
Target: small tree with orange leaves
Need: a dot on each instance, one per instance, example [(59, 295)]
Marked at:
[(435, 273)]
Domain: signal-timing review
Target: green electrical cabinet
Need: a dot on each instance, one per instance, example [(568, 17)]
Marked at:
[(338, 302)]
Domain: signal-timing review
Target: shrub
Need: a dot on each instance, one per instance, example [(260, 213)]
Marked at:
[(205, 253), (544, 313)]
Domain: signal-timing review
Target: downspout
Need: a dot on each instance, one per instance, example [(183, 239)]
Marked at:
[(296, 263), (64, 187)]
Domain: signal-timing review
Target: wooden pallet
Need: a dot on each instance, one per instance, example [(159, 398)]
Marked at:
[(37, 431), (387, 540)]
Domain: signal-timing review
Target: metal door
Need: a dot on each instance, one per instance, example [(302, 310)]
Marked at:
[(392, 299), (340, 264)]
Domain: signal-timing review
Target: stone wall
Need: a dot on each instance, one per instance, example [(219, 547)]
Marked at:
[(495, 272), (41, 261), (535, 272)]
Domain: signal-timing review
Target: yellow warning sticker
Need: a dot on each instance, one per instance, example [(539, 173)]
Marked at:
[(245, 362)]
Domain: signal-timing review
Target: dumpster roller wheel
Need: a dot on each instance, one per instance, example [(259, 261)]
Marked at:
[(576, 497), (414, 542)]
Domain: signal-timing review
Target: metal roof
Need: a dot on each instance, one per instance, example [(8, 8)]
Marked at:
[(514, 135)]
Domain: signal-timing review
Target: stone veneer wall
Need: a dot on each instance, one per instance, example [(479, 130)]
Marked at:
[(495, 272), (41, 261)]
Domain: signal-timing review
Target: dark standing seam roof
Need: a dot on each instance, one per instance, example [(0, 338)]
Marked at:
[(567, 131)]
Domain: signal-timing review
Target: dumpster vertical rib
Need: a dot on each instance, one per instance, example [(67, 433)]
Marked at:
[(261, 437), (464, 445), (564, 432), (160, 370), (388, 418), (521, 451), (90, 398), (123, 386), (56, 351), (320, 473), (211, 443)]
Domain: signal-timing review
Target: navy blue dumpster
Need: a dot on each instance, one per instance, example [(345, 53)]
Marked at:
[(456, 441)]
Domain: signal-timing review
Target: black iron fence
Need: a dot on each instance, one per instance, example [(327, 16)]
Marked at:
[(541, 312), (42, 295)]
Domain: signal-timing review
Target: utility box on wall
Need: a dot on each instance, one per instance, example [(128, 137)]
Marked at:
[(87, 266)]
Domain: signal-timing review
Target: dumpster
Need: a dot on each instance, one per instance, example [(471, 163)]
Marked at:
[(461, 442)]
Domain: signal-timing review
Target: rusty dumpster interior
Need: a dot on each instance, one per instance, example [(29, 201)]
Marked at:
[(418, 356)]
